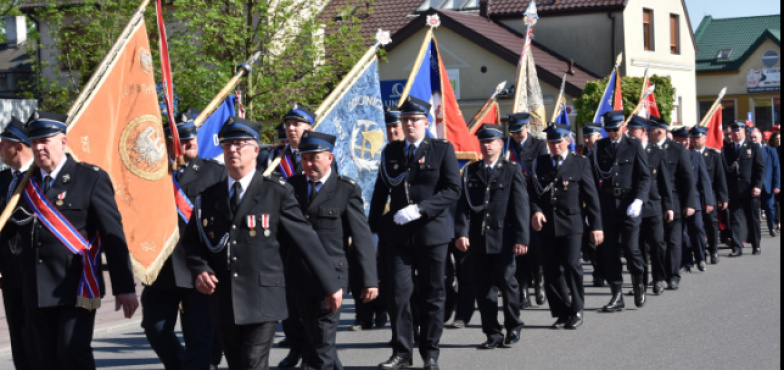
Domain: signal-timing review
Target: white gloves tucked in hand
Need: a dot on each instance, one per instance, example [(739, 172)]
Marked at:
[(407, 215), (635, 209)]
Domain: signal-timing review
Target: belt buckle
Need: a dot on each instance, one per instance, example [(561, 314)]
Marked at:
[(617, 192)]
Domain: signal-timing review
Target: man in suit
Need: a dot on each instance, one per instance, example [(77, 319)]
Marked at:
[(771, 183), (718, 181), (173, 292), (694, 228), (523, 148), (591, 134), (333, 206), (681, 174), (420, 176), (16, 154), (491, 228), (657, 210), (61, 319), (623, 178), (234, 255), (745, 166), (561, 183)]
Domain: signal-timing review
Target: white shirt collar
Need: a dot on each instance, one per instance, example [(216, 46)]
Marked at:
[(740, 144), (244, 182), (323, 179), (56, 170), (661, 143), (491, 165), (562, 157), (416, 144), (25, 166)]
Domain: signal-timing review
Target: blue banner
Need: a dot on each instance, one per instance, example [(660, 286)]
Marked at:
[(606, 104), (391, 91), (209, 145), (357, 120)]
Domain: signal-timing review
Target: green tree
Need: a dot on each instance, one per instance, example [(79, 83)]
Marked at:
[(304, 53), (588, 102)]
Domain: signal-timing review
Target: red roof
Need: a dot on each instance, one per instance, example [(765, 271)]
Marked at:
[(501, 8)]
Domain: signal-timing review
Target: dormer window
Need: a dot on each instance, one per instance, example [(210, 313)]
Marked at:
[(724, 54)]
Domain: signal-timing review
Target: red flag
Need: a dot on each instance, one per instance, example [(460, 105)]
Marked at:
[(650, 102), (490, 115), (455, 128), (166, 75), (618, 99), (715, 138)]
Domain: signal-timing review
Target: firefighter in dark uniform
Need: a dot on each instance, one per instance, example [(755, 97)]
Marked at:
[(523, 148), (234, 255), (333, 206), (16, 154), (591, 134), (718, 180), (60, 319), (422, 179), (623, 177), (564, 195), (694, 228), (745, 166), (683, 196), (491, 227), (173, 292), (657, 210)]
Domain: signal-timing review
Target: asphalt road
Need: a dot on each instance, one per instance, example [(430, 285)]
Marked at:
[(728, 317)]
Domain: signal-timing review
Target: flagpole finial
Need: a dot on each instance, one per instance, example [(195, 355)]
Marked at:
[(383, 37), (722, 92), (530, 16), (433, 21), (618, 59)]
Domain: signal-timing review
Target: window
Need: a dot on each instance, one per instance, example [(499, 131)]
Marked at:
[(675, 34), (647, 29), (767, 112), (727, 110), (724, 54)]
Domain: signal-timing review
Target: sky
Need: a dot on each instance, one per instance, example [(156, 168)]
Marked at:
[(730, 9)]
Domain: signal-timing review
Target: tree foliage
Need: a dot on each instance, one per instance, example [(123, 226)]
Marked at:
[(302, 54), (588, 102)]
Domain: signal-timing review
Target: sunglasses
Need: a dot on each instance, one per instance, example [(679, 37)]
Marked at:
[(612, 129)]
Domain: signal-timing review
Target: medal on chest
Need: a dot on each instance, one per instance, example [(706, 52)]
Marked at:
[(60, 198), (265, 222), (251, 221), (566, 185)]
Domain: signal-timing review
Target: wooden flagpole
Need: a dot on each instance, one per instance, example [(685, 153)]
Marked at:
[(242, 70), (713, 108)]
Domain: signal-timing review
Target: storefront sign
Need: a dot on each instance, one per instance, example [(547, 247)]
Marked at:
[(763, 80)]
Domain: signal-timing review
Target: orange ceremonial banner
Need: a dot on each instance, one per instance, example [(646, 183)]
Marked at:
[(118, 128)]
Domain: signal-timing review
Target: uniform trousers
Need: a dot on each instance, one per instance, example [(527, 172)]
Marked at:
[(621, 234), (365, 312), (321, 328), (494, 273), (673, 234), (530, 263), (247, 347), (429, 263), (652, 235), (466, 291), (595, 254), (711, 222), (694, 239), (21, 338), (62, 336), (745, 222), (160, 308), (563, 273), (768, 201)]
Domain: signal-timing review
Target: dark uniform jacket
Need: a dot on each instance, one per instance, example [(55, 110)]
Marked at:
[(251, 287), (493, 214), (337, 213), (716, 174), (682, 174), (660, 190), (433, 184), (703, 190), (566, 197), (10, 241), (534, 147), (198, 175), (627, 173), (51, 271), (745, 168)]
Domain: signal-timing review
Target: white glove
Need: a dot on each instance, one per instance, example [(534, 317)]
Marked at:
[(634, 209), (407, 215)]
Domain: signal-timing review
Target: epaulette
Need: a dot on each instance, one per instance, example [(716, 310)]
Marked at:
[(714, 150), (275, 179), (441, 141), (572, 152), (90, 166), (347, 179)]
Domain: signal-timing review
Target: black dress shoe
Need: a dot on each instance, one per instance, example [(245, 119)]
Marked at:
[(525, 301), (702, 266), (284, 343), (639, 290), (616, 301), (560, 323), (458, 324), (714, 258), (539, 288), (492, 343), (512, 337), (396, 362), (773, 232), (736, 253), (431, 364), (756, 251), (291, 360), (381, 320), (575, 321), (672, 284), (598, 283), (658, 287)]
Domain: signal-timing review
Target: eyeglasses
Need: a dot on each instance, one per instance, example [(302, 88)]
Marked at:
[(612, 129), (239, 145), (412, 119)]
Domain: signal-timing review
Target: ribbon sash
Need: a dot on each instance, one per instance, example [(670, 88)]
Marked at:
[(184, 205)]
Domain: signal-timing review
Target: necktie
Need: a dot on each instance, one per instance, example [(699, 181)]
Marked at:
[(313, 190), (14, 182), (488, 172), (614, 146), (411, 149), (557, 163), (236, 196), (47, 181)]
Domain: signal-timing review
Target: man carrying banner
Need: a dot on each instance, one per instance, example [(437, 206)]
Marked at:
[(491, 226), (73, 217), (234, 255), (422, 178), (173, 291), (523, 148), (16, 154), (298, 120), (333, 206), (622, 177), (561, 183), (718, 180)]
